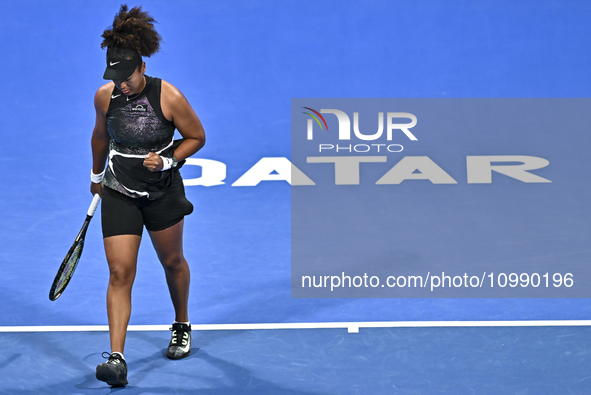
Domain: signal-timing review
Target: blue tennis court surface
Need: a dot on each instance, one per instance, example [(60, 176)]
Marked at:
[(312, 361), (240, 64)]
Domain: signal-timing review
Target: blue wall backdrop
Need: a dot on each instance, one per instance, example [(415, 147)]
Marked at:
[(240, 63)]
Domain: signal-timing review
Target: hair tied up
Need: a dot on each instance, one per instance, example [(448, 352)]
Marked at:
[(133, 30)]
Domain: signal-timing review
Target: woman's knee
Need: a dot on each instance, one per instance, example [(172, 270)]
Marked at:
[(173, 262), (121, 275)]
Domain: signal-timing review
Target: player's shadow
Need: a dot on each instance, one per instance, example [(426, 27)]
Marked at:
[(235, 379)]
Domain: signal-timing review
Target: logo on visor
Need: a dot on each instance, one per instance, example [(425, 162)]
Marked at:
[(113, 63)]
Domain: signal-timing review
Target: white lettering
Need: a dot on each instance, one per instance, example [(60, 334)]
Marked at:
[(268, 169), (402, 126), (480, 168), (407, 167), (374, 136), (344, 123), (212, 172)]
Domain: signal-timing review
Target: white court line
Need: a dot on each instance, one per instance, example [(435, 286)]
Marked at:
[(352, 327)]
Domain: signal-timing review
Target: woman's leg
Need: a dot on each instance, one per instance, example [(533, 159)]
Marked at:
[(122, 252), (168, 244)]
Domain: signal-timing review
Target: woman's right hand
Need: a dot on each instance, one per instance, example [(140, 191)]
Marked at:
[(96, 188)]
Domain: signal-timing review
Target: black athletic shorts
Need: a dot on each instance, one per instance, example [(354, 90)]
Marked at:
[(124, 215)]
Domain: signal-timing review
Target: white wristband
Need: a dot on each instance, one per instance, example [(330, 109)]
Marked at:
[(97, 178), (167, 162)]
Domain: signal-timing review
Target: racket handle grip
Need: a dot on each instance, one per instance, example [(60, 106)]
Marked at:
[(94, 205)]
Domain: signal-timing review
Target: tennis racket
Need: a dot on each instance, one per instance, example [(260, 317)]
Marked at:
[(66, 270)]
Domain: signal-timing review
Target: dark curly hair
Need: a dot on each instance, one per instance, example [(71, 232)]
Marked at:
[(132, 34)]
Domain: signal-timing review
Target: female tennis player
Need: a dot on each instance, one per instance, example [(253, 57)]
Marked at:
[(136, 116)]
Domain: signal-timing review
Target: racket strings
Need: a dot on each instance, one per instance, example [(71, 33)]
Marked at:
[(69, 268)]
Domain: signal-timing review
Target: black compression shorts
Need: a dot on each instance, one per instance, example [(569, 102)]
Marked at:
[(124, 215)]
